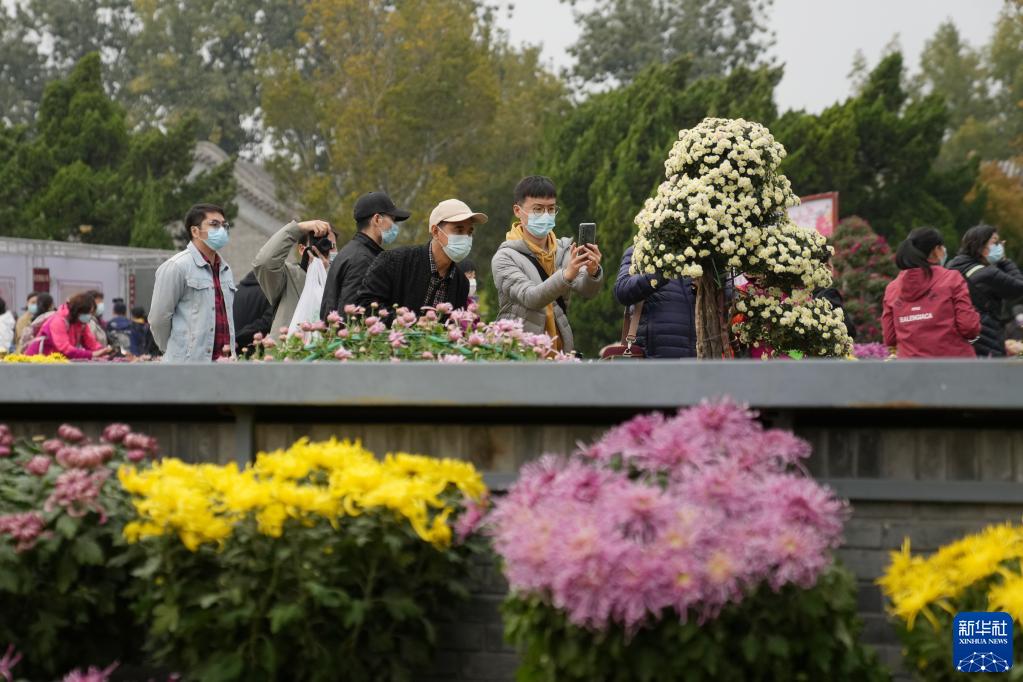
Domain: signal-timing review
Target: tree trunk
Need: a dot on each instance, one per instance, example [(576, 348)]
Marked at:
[(711, 327)]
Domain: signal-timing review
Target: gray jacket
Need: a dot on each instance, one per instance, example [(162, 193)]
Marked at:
[(182, 316), (523, 294), (282, 282)]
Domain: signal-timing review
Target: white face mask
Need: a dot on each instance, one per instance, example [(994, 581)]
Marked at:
[(472, 286)]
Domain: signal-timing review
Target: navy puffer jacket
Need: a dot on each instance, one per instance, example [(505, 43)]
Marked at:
[(667, 328)]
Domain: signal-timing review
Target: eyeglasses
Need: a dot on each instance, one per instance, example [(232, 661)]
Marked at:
[(538, 211), (214, 224)]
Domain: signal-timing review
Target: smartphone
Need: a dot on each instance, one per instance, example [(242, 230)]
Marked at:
[(587, 234)]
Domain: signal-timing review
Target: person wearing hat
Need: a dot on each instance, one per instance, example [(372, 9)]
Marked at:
[(282, 282), (376, 224), (417, 277)]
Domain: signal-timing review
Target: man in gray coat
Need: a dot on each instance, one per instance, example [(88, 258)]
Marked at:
[(282, 282), (535, 272)]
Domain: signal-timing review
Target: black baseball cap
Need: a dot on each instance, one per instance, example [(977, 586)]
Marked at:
[(378, 202)]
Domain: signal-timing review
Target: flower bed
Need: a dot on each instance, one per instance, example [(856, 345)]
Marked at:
[(313, 560), (679, 548), (980, 572), (53, 359), (441, 334)]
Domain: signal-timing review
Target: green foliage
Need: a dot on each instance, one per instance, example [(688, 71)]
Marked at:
[(619, 38), (864, 265), (607, 156), (878, 150), (80, 164), (795, 634), (317, 600), (435, 105), (983, 88), (201, 59), (148, 230), (62, 599)]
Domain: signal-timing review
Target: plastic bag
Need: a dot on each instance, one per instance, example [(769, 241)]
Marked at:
[(308, 308)]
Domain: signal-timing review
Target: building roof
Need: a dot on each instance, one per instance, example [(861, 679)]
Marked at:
[(254, 182), (61, 249)]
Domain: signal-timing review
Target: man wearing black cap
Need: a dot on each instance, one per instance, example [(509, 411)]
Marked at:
[(376, 219)]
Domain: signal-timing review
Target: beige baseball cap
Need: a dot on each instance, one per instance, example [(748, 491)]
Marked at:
[(455, 211)]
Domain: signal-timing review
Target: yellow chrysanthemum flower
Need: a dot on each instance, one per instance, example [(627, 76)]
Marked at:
[(202, 503)]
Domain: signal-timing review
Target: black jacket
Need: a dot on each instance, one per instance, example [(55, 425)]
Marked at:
[(252, 311), (990, 286), (667, 327), (400, 277), (834, 297), (347, 272)]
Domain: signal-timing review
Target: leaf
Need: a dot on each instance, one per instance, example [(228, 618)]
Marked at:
[(67, 526), (778, 646), (354, 615), (284, 614), (223, 669), (165, 618), (67, 571), (87, 551), (208, 600), (401, 607), (149, 568)]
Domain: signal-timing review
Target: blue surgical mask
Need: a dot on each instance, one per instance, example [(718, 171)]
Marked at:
[(33, 309), (390, 234), (332, 256), (944, 258), (540, 225), (996, 254), (458, 247), (84, 318), (99, 310), (217, 238)]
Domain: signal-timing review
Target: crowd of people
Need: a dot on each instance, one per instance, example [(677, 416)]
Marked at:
[(77, 329), (935, 307)]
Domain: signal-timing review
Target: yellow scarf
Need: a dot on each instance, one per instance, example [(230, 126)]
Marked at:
[(546, 256)]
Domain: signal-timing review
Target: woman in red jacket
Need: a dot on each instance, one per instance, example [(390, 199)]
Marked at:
[(67, 332), (927, 309)]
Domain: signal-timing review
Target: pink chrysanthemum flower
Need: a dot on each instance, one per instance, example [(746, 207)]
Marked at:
[(684, 514)]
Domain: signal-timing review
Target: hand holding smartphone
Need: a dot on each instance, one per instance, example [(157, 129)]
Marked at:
[(587, 234), (588, 242)]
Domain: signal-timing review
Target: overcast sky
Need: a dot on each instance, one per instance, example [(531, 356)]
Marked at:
[(816, 39)]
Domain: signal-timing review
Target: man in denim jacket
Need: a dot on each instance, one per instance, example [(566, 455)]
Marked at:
[(191, 316)]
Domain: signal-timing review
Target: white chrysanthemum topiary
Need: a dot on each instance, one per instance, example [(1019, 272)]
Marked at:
[(722, 210), (794, 323)]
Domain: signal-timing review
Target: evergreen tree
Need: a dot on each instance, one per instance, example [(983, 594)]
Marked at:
[(79, 164), (878, 150), (149, 231)]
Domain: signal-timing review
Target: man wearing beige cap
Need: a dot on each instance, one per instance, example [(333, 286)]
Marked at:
[(415, 277)]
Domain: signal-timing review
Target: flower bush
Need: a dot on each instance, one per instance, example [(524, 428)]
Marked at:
[(64, 563), (864, 265), (800, 323), (871, 351), (441, 334), (980, 572), (721, 211), (313, 560), (691, 530)]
